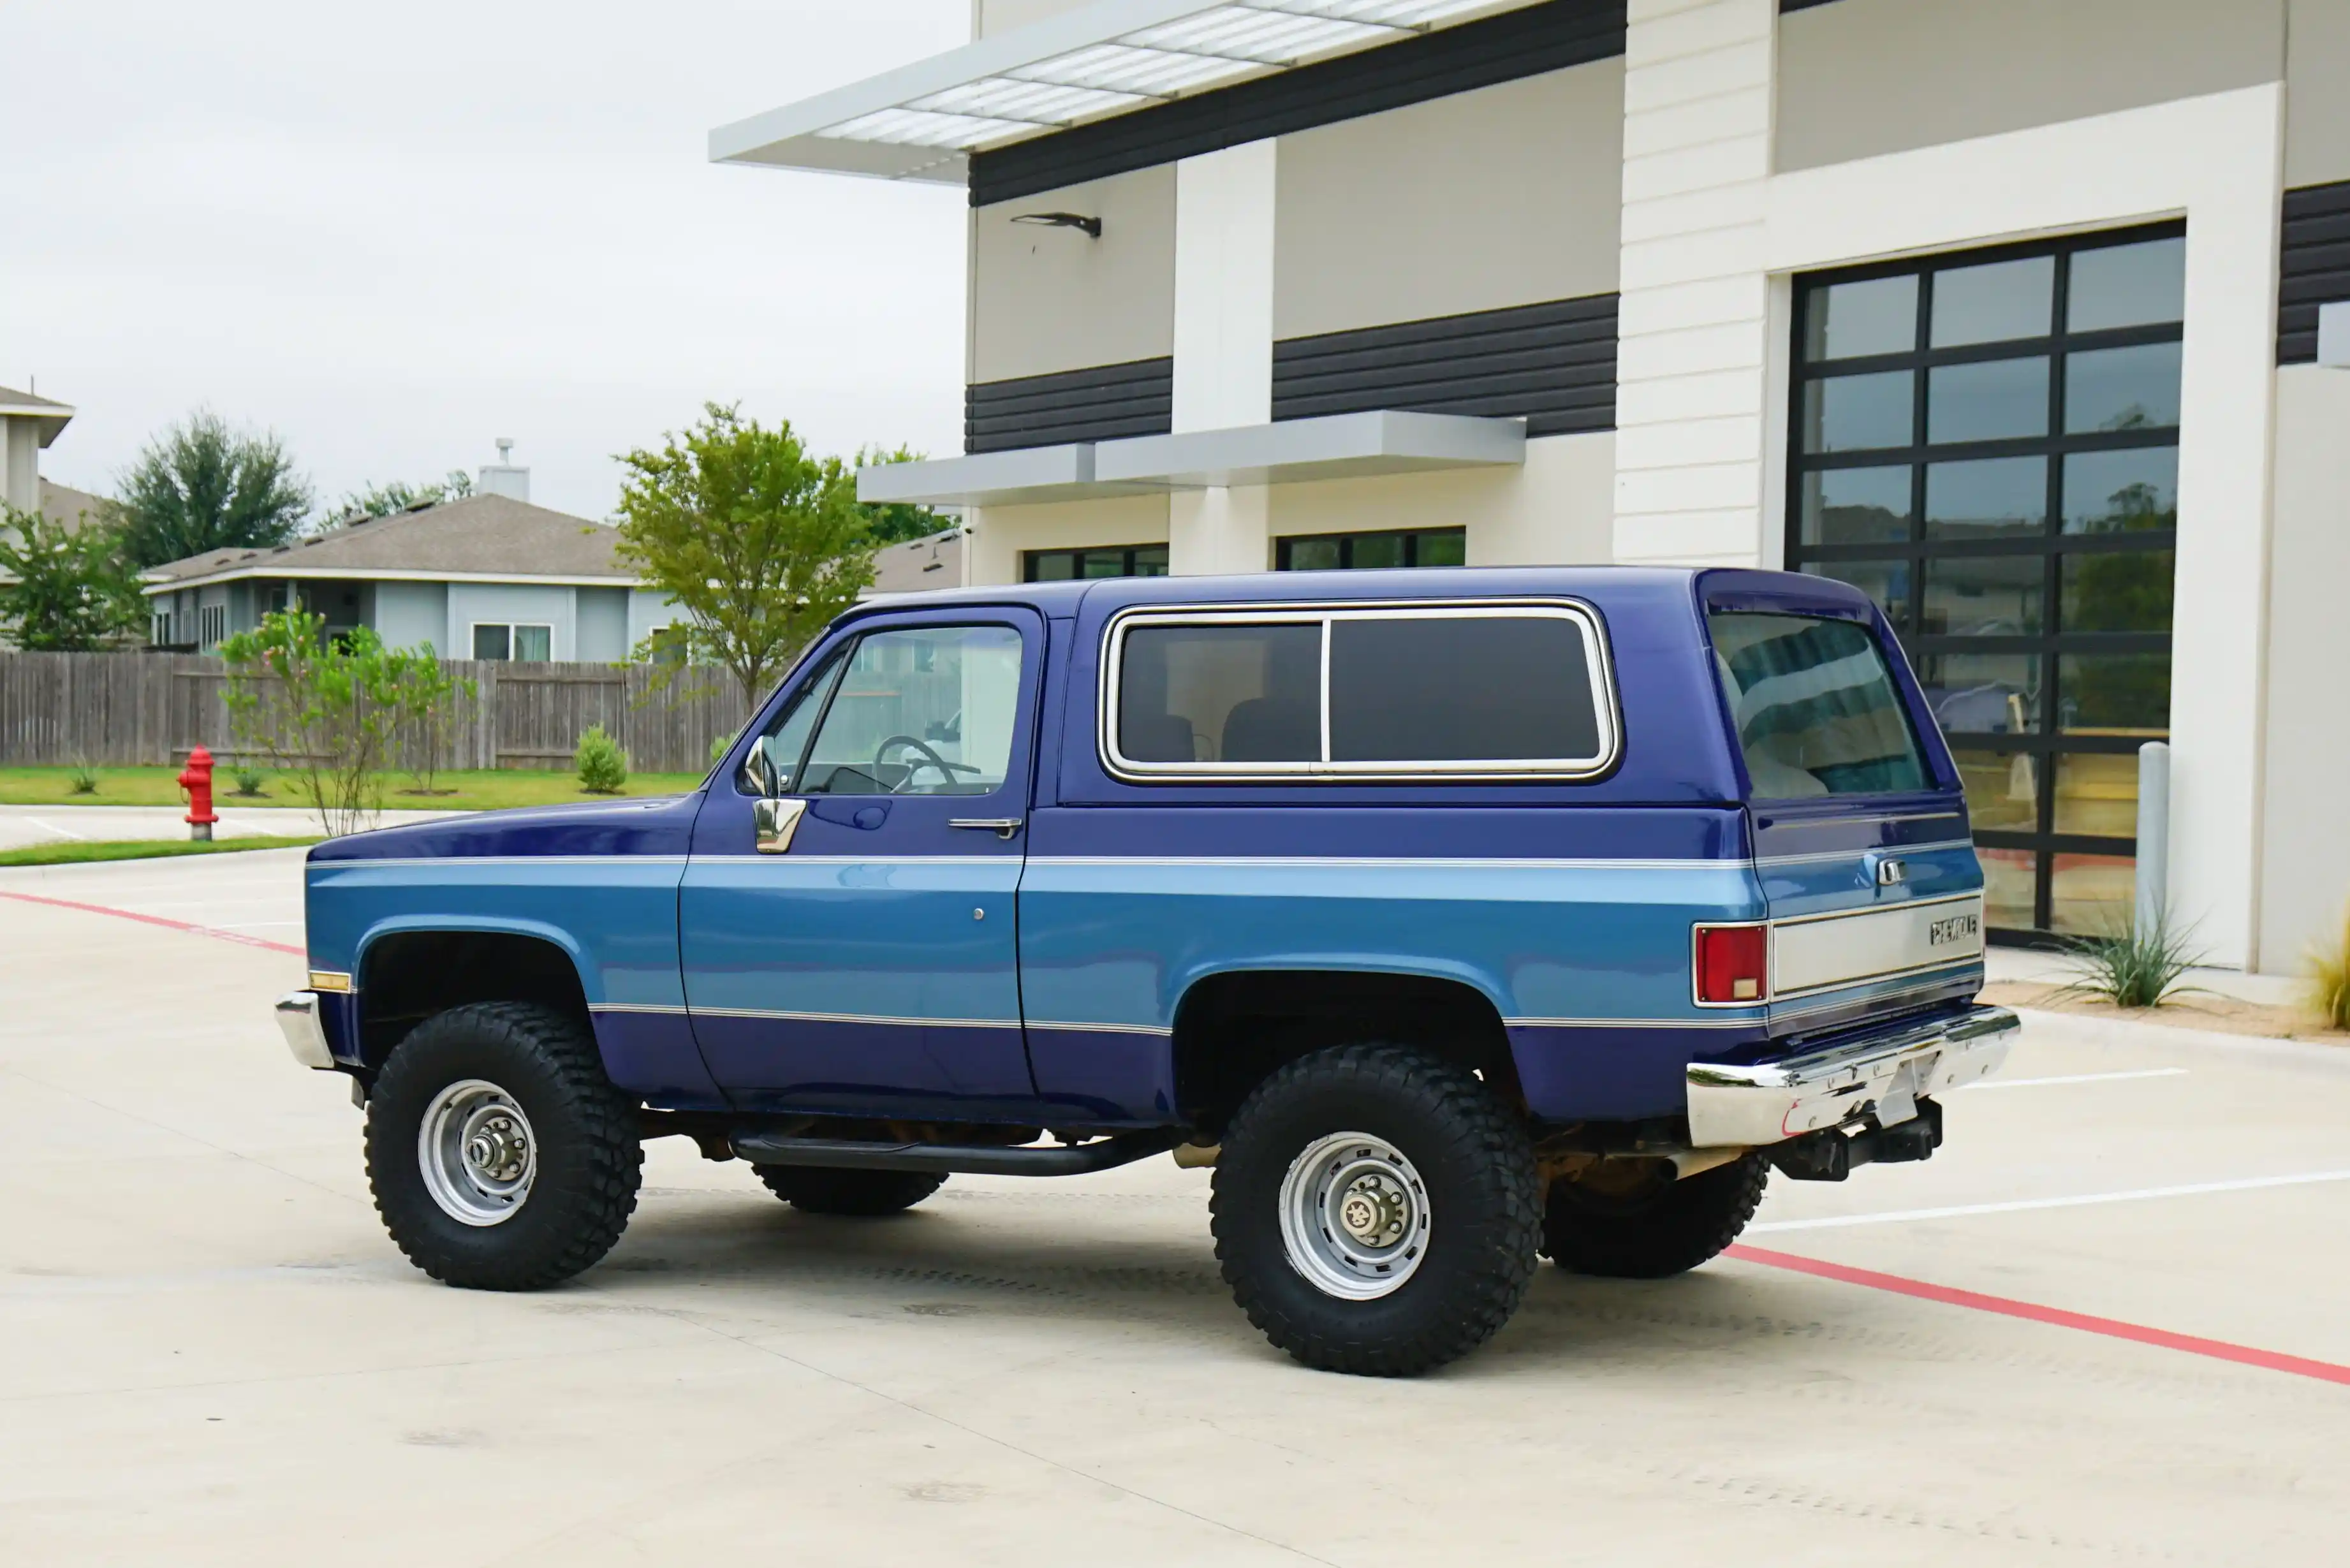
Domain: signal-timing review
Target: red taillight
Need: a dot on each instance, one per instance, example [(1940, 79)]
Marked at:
[(1733, 963)]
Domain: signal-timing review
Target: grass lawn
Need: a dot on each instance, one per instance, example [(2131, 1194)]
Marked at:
[(478, 791), (139, 850)]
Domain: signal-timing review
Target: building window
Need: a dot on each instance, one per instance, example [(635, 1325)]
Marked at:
[(1347, 552), (211, 625), (522, 644), (1103, 561), (1987, 444)]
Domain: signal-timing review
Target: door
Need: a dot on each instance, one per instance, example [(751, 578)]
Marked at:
[(870, 967), (1860, 833)]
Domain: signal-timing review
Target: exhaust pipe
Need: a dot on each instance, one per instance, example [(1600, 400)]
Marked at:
[(1831, 1154)]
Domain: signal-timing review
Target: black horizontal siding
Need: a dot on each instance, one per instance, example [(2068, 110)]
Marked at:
[(1552, 364), (1503, 49), (1102, 402), (2314, 269)]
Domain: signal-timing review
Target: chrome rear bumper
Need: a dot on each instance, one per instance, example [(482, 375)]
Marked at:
[(1771, 1102), (305, 1036)]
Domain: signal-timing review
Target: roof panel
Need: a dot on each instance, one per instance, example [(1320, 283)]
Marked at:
[(1098, 59)]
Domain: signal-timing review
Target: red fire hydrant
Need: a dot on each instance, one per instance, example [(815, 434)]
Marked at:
[(198, 782)]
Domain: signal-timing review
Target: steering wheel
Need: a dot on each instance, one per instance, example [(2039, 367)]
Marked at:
[(929, 758)]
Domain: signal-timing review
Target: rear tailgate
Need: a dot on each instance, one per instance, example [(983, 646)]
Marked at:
[(1874, 893)]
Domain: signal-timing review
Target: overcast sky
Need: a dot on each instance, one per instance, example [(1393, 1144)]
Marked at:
[(391, 233)]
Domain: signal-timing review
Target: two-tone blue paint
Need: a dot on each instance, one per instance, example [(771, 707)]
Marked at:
[(894, 964)]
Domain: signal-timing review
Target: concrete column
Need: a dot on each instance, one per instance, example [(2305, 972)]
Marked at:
[(1224, 345), (1694, 333)]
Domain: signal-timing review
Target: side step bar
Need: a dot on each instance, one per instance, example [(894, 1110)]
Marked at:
[(972, 1159)]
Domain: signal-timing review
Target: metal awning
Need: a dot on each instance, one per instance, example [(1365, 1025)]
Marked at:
[(1291, 452), (1095, 60)]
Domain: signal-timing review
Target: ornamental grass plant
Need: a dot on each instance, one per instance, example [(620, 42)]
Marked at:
[(2329, 979), (2138, 967)]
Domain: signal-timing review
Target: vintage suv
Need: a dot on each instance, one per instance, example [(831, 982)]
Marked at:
[(1453, 916)]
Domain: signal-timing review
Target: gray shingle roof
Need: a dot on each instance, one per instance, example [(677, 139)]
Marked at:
[(64, 503), (480, 536)]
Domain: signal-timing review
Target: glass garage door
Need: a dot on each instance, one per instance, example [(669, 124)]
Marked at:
[(1988, 445)]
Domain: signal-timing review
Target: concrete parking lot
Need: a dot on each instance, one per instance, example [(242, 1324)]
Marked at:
[(209, 1353)]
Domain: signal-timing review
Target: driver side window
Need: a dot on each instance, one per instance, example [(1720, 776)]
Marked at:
[(922, 710)]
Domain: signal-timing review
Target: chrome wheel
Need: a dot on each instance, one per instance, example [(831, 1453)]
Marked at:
[(477, 1152), (1354, 1216)]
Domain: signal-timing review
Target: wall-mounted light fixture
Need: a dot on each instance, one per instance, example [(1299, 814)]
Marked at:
[(1092, 226)]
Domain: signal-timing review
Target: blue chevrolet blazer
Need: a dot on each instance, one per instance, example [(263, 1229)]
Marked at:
[(1456, 918)]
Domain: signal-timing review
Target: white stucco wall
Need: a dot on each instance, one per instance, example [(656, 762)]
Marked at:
[(2304, 841)]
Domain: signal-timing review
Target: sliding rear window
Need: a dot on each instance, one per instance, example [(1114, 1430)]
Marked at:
[(1815, 706), (1458, 691)]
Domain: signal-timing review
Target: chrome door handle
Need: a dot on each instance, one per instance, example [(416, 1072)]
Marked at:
[(1002, 826), (773, 820)]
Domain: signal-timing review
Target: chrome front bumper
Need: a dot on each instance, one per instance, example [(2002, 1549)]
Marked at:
[(1769, 1101), (305, 1036)]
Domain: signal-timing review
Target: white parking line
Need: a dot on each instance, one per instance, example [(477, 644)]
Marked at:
[(60, 832), (2079, 1078), (1893, 1217)]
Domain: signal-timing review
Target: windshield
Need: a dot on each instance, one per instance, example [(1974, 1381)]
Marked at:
[(1815, 707)]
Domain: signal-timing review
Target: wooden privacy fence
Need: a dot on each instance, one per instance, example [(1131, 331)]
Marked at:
[(148, 710)]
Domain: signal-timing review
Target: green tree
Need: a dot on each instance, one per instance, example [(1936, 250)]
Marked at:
[(895, 522), (202, 485), (326, 710), (72, 590), (384, 500), (435, 707), (758, 540)]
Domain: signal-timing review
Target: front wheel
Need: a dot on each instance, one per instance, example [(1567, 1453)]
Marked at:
[(1629, 1220), (1376, 1210), (501, 1157)]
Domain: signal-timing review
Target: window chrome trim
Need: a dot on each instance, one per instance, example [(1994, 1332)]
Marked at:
[(1323, 613)]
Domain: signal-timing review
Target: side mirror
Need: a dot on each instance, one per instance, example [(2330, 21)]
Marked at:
[(773, 820), (758, 773)]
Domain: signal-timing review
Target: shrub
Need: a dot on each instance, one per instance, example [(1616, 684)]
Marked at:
[(603, 766), (249, 780), (322, 708), (2133, 967), (2330, 971)]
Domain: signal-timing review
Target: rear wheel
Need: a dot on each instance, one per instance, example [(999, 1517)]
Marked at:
[(1376, 1210), (823, 1189), (501, 1157), (1631, 1220)]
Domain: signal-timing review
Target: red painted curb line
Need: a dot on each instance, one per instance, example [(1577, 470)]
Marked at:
[(2113, 1328), (170, 925)]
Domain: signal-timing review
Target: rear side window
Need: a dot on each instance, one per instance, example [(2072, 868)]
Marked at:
[(1814, 703), (1488, 690)]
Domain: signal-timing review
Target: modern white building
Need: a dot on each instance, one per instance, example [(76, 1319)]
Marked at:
[(2003, 309)]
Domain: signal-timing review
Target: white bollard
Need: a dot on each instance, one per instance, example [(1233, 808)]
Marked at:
[(2153, 836)]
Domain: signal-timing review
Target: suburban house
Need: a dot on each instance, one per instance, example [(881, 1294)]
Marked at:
[(486, 576), (2008, 311), (28, 425)]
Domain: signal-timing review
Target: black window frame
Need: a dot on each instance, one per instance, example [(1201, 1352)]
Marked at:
[(1607, 706), (1128, 554), (2048, 742), (1283, 546)]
